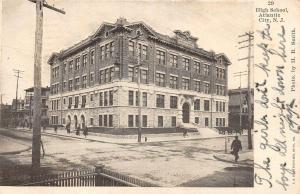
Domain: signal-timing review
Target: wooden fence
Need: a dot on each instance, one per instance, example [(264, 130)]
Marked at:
[(97, 177)]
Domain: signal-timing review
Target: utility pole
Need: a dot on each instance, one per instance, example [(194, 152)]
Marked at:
[(139, 84), (17, 72), (250, 38), (240, 74), (1, 123), (36, 136)]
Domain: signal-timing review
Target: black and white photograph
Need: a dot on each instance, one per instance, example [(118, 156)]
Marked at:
[(128, 93)]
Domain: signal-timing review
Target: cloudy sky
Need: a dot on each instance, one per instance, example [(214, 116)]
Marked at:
[(216, 24)]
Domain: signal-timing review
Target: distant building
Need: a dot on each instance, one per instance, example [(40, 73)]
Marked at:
[(238, 106), (29, 106), (94, 82), (18, 113), (6, 114)]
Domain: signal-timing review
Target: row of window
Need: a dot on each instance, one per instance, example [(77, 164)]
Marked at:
[(105, 121), (142, 50), (106, 98), (55, 104), (54, 120), (220, 122), (160, 101), (107, 51), (220, 106), (133, 120)]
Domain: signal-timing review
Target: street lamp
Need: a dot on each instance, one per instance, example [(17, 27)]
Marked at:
[(139, 84)]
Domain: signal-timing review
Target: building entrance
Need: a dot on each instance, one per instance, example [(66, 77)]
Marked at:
[(185, 113)]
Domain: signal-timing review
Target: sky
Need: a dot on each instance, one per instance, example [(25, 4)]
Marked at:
[(216, 24)]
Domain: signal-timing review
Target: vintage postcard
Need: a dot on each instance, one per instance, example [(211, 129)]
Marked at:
[(149, 96)]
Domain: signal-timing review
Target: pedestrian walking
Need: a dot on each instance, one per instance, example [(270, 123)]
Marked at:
[(78, 131), (68, 128), (55, 129), (236, 146), (85, 131)]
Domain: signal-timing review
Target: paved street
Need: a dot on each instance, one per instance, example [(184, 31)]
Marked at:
[(177, 163)]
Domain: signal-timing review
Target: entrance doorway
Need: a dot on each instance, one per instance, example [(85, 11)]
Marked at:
[(186, 113)]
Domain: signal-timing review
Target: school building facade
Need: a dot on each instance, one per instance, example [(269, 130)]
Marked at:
[(94, 83)]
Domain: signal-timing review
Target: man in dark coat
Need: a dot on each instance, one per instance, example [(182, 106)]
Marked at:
[(236, 146)]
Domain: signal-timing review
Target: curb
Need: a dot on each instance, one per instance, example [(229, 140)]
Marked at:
[(232, 162), (16, 152)]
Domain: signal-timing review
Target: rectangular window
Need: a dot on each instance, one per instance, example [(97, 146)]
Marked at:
[(217, 122), (160, 121), (130, 120), (107, 76), (70, 103), (77, 64), (173, 121), (105, 120), (137, 120), (160, 79), (130, 98), (173, 82), (144, 76), (197, 86), (70, 66), (185, 84), (64, 68), (160, 101), (105, 98), (160, 57), (83, 101), (112, 49), (76, 101), (131, 48), (186, 64), (206, 69), (206, 105), (206, 87), (173, 101), (144, 52), (84, 81), (84, 60), (100, 120), (197, 67), (144, 99), (137, 101), (217, 106), (132, 74), (111, 98), (70, 85), (102, 52), (110, 120), (92, 77), (145, 121), (91, 121), (92, 57), (206, 122), (101, 99), (112, 74), (101, 77), (197, 120), (77, 83), (173, 61), (197, 104), (107, 51), (224, 122), (91, 97), (224, 107), (64, 85)]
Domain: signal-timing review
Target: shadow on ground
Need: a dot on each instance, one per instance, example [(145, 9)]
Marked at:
[(231, 177)]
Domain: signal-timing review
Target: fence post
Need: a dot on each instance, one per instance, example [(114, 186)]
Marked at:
[(98, 178)]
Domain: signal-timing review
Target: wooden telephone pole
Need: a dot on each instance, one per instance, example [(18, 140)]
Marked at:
[(250, 38), (36, 136)]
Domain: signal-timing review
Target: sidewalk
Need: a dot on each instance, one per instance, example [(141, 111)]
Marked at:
[(126, 139), (11, 146), (245, 158)]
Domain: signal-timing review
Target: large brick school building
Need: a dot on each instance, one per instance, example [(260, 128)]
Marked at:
[(94, 82)]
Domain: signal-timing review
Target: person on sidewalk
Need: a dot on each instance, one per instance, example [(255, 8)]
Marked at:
[(55, 129), (68, 128), (85, 131), (78, 131), (236, 146)]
